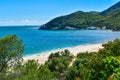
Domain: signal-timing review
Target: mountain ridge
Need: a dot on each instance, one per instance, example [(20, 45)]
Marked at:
[(111, 9), (109, 18)]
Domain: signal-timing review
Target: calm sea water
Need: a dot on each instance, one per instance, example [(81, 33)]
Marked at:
[(36, 41)]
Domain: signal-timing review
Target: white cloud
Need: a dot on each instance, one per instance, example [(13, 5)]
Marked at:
[(20, 22), (29, 21)]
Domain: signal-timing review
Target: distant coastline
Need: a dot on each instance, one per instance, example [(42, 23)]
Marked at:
[(52, 39), (107, 19)]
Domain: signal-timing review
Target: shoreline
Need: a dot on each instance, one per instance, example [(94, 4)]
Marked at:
[(43, 57)]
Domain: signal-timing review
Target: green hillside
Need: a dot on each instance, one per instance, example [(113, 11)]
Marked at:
[(111, 9), (109, 18), (77, 20)]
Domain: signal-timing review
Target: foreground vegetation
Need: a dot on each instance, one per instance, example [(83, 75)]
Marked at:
[(101, 65)]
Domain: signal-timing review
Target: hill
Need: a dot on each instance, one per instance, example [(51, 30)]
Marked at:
[(77, 20), (111, 9), (109, 19)]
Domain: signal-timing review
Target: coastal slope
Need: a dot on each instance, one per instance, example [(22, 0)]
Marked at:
[(107, 19)]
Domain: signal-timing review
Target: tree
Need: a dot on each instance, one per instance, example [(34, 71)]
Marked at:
[(11, 50), (59, 62), (45, 73), (32, 70), (112, 48), (112, 68)]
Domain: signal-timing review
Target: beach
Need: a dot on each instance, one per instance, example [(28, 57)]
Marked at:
[(42, 57)]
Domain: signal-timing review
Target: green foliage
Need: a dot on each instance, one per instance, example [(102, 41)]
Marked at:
[(82, 20), (112, 48), (59, 62), (101, 65), (86, 67), (77, 20), (46, 74), (112, 67), (10, 53), (111, 20), (28, 71), (33, 71), (111, 9), (13, 68)]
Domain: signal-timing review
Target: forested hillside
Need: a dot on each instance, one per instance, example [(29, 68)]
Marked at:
[(109, 18)]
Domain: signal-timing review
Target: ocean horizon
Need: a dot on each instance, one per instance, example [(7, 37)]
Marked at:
[(39, 41)]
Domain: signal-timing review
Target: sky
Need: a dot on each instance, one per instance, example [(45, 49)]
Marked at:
[(38, 12)]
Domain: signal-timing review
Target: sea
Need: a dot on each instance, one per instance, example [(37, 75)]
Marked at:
[(38, 41)]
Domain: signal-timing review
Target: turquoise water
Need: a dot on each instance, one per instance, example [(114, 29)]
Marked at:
[(36, 41)]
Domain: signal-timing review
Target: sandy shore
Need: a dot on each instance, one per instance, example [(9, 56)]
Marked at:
[(42, 57)]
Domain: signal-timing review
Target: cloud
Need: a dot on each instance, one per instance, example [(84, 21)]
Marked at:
[(20, 22), (29, 21)]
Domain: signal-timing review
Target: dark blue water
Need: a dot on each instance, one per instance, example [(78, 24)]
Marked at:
[(36, 41)]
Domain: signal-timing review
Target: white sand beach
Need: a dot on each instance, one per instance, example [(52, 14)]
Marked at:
[(42, 57)]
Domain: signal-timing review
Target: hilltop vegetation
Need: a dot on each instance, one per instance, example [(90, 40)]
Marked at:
[(77, 20), (109, 18), (111, 9)]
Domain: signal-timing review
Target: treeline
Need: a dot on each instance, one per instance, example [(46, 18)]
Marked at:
[(109, 18), (101, 65), (77, 20)]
